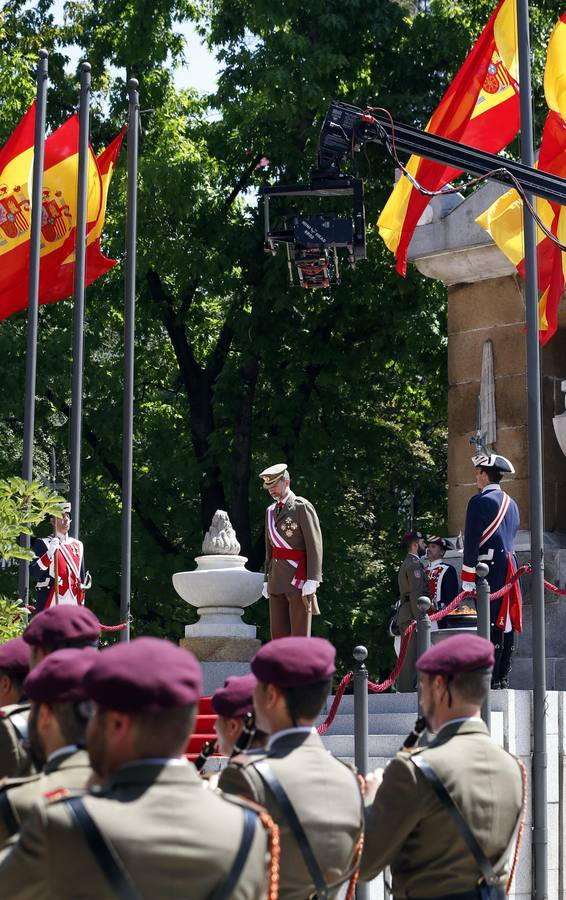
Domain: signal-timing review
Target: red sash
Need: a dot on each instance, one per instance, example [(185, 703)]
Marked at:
[(512, 601), (299, 556)]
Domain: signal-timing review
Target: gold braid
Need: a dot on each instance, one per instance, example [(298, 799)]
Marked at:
[(521, 831)]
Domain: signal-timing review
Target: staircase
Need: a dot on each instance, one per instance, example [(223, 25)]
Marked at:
[(204, 729)]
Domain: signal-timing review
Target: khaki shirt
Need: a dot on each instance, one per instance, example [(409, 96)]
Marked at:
[(176, 840), (298, 525), (14, 758), (408, 829), (70, 770), (325, 795), (413, 584)]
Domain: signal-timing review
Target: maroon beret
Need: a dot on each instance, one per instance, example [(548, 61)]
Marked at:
[(63, 625), (410, 537), (294, 661), (144, 677), (59, 678), (236, 697), (461, 653), (14, 656)]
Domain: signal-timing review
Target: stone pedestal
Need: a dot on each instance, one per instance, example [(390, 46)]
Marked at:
[(221, 657)]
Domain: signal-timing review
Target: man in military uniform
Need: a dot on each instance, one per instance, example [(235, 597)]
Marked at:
[(293, 556), (409, 826), (234, 708), (59, 567), (59, 628), (150, 830), (57, 727), (492, 521), (442, 578), (412, 585), (14, 710), (314, 798)]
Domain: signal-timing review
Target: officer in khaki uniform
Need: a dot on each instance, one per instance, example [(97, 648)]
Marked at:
[(150, 830), (293, 556), (14, 709), (56, 729), (412, 585), (296, 776), (409, 826)]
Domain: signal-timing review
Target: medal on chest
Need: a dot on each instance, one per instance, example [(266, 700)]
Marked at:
[(288, 527)]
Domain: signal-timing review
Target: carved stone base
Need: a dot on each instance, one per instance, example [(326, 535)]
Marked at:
[(221, 649)]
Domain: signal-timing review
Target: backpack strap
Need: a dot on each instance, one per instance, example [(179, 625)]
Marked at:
[(113, 868), (225, 890)]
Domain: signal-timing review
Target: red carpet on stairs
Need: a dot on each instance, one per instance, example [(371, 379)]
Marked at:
[(204, 730)]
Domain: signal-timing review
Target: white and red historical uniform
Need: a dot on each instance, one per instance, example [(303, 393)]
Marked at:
[(67, 557), (442, 586)]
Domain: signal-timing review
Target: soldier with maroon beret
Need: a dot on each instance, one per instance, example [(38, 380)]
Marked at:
[(61, 627), (461, 775), (234, 708), (296, 778), (14, 709), (156, 832), (57, 726), (412, 585)]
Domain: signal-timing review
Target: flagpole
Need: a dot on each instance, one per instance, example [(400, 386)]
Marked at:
[(129, 331), (33, 294), (79, 305), (536, 497)]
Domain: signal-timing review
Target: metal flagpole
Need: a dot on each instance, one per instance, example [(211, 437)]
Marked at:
[(33, 294), (129, 323), (79, 306), (536, 510)]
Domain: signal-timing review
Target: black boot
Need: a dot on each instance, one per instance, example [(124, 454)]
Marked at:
[(506, 655)]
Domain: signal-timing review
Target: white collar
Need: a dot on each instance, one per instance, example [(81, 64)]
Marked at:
[(491, 487), (300, 729), (458, 720), (68, 748), (435, 563)]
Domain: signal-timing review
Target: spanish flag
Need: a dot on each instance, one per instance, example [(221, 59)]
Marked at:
[(480, 109), (504, 218)]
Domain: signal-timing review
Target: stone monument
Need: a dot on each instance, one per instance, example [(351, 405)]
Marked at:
[(220, 588)]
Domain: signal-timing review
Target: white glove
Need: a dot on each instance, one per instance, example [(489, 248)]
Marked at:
[(468, 586), (54, 545), (309, 587), (264, 591)]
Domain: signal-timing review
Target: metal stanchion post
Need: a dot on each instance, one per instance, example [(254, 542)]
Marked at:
[(361, 730), (484, 624), (424, 626)]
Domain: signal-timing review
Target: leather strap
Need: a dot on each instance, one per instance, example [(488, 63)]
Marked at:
[(225, 890), (20, 724), (7, 814), (265, 771), (114, 870), (470, 840)]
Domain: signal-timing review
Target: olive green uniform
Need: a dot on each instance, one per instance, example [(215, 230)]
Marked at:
[(408, 829), (412, 585), (176, 841), (69, 769), (325, 795), (14, 758)]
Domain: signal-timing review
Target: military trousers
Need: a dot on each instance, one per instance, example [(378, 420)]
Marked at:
[(503, 643), (287, 614), (407, 681)]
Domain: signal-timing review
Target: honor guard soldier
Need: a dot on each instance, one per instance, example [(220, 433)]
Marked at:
[(492, 521), (59, 628), (58, 566), (235, 723), (150, 830), (443, 584), (14, 710), (293, 556), (57, 726), (314, 798), (446, 817), (412, 585)]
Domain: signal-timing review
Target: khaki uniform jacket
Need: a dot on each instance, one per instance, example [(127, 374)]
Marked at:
[(412, 585), (325, 795), (70, 770), (298, 525), (408, 829), (15, 761), (176, 840)]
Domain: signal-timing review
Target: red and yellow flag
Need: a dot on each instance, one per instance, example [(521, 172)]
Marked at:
[(480, 109), (504, 218)]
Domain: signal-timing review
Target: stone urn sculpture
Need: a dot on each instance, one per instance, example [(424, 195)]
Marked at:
[(220, 587)]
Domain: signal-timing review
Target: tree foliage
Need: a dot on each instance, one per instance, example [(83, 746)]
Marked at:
[(235, 370)]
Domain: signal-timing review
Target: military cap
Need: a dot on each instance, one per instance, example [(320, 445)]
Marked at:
[(411, 536), (461, 653), (14, 656), (235, 699), (493, 461), (63, 625), (144, 677), (294, 661), (59, 678), (272, 475), (435, 539)]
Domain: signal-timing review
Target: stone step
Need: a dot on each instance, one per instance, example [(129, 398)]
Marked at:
[(377, 703), (521, 677), (388, 723), (383, 745)]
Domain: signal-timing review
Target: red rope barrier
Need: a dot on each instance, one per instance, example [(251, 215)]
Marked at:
[(335, 703), (120, 627)]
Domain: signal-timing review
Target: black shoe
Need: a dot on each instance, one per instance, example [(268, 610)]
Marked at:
[(495, 685), (504, 684)]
